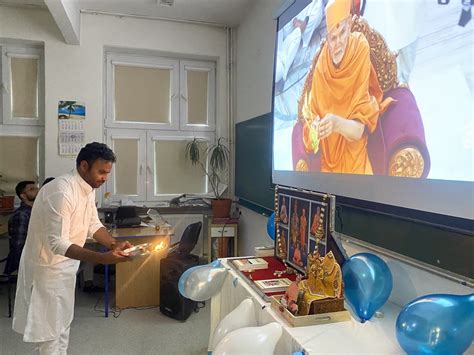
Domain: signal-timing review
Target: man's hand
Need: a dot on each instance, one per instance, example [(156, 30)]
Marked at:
[(114, 257), (328, 125), (122, 245)]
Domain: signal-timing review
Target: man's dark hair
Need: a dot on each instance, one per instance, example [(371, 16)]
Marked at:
[(20, 187), (47, 180), (93, 151)]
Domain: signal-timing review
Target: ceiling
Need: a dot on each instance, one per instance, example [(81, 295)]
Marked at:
[(224, 12)]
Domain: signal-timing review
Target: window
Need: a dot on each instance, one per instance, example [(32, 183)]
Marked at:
[(154, 106), (22, 113)]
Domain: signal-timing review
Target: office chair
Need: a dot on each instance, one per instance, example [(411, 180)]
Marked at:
[(188, 241)]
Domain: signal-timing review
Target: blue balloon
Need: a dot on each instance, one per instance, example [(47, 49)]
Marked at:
[(437, 324), (216, 263), (271, 226), (367, 284)]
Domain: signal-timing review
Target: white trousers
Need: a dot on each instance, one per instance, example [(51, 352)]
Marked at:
[(56, 346)]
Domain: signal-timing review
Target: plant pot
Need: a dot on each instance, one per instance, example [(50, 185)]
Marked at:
[(6, 203), (221, 207)]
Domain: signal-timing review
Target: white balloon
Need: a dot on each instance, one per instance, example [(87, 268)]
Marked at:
[(203, 282), (242, 316), (250, 340)]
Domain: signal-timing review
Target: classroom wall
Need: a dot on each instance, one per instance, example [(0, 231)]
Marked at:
[(253, 73), (77, 72)]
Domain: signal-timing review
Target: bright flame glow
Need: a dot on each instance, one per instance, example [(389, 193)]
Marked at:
[(160, 246)]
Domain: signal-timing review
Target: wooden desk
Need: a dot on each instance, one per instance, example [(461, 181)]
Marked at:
[(137, 282)]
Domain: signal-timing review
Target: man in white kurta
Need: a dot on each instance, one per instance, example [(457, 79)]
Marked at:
[(63, 216)]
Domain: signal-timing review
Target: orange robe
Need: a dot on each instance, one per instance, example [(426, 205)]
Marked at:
[(350, 91), (303, 225)]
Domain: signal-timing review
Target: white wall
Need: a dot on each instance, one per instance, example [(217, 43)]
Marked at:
[(77, 72), (253, 63), (253, 73)]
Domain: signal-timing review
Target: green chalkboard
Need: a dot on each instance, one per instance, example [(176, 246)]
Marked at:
[(442, 241), (253, 163)]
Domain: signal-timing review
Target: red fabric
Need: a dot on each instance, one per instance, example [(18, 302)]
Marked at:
[(274, 264)]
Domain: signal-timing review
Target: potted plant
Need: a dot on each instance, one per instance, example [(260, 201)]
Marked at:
[(214, 161), (6, 201)]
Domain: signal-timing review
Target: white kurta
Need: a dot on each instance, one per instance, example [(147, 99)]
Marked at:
[(64, 213)]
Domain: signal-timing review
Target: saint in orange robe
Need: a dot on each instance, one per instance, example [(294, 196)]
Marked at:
[(303, 225), (350, 91)]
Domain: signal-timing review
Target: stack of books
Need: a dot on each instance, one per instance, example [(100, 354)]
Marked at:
[(250, 264), (273, 285)]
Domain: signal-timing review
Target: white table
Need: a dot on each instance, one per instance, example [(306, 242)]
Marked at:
[(376, 336)]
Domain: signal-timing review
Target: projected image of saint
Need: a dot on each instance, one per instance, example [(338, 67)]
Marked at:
[(345, 99), (298, 41), (376, 108)]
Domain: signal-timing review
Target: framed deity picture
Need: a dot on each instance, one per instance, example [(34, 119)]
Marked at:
[(304, 220)]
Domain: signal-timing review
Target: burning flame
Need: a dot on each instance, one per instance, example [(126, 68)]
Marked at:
[(160, 246)]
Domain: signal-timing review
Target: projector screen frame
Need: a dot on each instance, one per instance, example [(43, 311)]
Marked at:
[(432, 219), (442, 197)]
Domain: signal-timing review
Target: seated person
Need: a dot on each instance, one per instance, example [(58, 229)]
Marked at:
[(297, 255), (18, 222), (340, 117)]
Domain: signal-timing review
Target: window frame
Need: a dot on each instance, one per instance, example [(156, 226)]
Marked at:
[(21, 51), (110, 186), (29, 132), (153, 136), (209, 67), (178, 129), (140, 61)]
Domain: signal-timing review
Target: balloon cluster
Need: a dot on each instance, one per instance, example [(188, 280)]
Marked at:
[(200, 283), (238, 333), (432, 324)]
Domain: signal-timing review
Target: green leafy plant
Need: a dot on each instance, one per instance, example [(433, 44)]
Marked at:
[(213, 160)]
